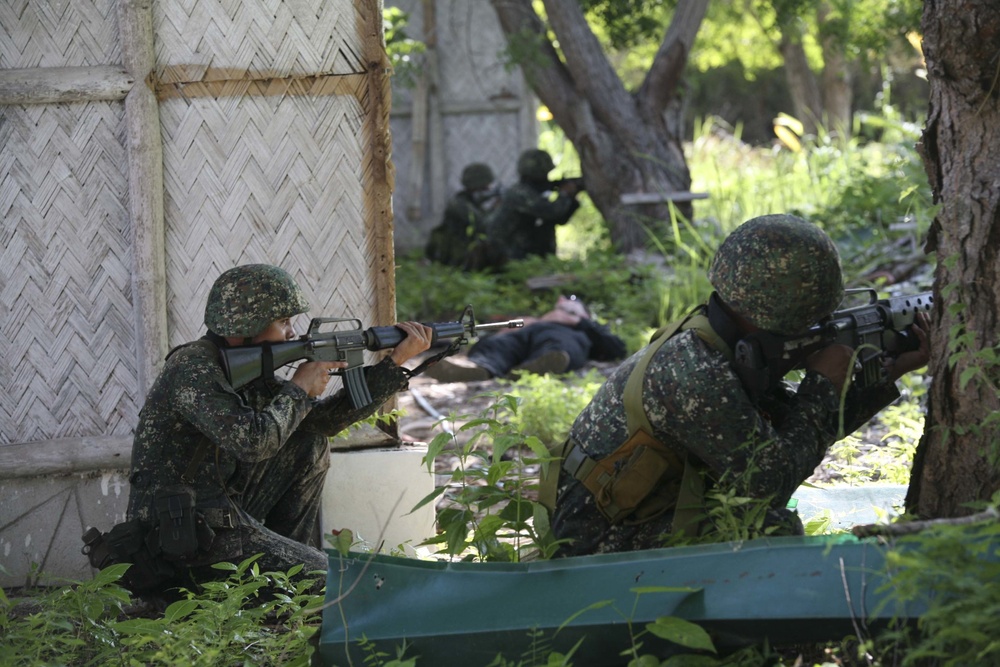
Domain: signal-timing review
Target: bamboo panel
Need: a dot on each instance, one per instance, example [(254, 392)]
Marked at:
[(210, 40), (467, 138), (68, 336), (265, 179), (58, 33), (469, 39)]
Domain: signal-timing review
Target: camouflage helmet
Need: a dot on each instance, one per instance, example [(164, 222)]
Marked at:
[(477, 176), (779, 272), (535, 164), (246, 299)]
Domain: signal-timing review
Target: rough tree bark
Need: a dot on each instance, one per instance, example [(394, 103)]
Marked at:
[(956, 460), (627, 142)]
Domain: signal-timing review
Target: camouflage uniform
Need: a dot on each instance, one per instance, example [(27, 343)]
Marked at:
[(697, 406), (525, 222), (460, 240), (266, 452)]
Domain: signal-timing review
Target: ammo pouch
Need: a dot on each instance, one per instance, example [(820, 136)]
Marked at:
[(636, 483), (183, 532)]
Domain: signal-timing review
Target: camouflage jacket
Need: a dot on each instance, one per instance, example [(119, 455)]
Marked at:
[(697, 406), (192, 405), (525, 222), (463, 223)]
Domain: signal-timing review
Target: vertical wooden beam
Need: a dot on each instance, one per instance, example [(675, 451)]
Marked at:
[(418, 123), (380, 180), (145, 174), (439, 174), (527, 118)]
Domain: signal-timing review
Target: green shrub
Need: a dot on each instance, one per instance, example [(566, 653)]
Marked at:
[(229, 623), (548, 404), (953, 570)]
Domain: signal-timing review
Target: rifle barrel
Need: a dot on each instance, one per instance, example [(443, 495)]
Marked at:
[(509, 324)]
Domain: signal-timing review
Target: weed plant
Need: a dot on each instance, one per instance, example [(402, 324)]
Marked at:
[(547, 405), (491, 515), (249, 617), (952, 571)]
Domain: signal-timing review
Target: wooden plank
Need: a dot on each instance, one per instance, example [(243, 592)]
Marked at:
[(462, 107), (50, 85), (65, 456), (633, 198), (145, 176)]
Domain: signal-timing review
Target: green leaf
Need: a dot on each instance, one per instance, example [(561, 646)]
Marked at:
[(428, 498), (111, 574), (180, 609), (639, 590), (967, 375), (341, 540), (682, 632)]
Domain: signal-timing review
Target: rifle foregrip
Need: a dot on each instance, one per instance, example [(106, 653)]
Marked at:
[(383, 338)]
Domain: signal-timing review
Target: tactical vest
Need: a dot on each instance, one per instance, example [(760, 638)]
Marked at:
[(642, 478)]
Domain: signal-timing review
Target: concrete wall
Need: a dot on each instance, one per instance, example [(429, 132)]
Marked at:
[(47, 509)]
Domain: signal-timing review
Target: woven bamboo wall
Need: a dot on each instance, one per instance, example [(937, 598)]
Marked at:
[(464, 107), (145, 147), (272, 147), (68, 347)]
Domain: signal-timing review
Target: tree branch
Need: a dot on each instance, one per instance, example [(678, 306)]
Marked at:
[(665, 74), (545, 72), (910, 527), (594, 77)]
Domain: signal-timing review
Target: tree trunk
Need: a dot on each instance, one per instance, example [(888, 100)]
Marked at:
[(957, 458), (836, 79), (627, 142), (802, 84)]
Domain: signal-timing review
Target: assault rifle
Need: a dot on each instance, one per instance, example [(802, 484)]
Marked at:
[(245, 363), (574, 184), (876, 330)]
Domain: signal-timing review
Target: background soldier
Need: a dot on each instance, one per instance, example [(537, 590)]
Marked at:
[(525, 222), (460, 240)]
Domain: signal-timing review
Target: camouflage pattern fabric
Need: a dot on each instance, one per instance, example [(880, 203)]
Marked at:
[(525, 222), (245, 300), (463, 223), (535, 164), (477, 176), (780, 272), (461, 240), (266, 458), (697, 405)]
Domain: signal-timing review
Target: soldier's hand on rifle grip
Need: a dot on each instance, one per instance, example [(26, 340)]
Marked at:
[(832, 362), (911, 361), (418, 339), (313, 376)]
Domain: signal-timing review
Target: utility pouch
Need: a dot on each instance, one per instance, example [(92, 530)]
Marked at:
[(637, 482), (96, 549), (130, 542), (177, 522)]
